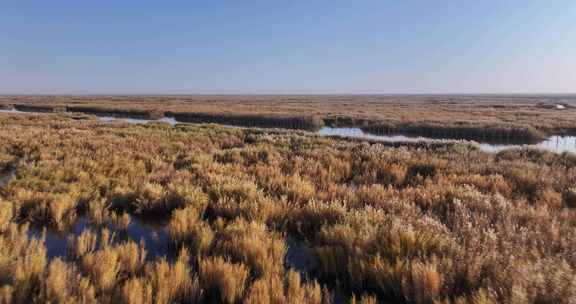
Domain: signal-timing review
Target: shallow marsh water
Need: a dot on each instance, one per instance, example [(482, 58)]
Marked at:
[(556, 143), (154, 235)]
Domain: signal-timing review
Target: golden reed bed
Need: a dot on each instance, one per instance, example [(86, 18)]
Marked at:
[(407, 224), (489, 118)]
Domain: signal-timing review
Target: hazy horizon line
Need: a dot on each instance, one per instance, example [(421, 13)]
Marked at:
[(286, 94)]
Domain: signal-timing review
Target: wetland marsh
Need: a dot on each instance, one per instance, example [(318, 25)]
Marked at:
[(245, 215)]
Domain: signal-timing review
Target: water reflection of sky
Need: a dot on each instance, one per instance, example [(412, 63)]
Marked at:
[(169, 120), (555, 143)]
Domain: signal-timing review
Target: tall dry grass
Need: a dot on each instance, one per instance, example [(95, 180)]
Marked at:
[(401, 224), (479, 117), (223, 279)]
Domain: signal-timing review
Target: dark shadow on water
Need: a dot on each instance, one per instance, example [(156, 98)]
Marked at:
[(7, 176), (300, 257)]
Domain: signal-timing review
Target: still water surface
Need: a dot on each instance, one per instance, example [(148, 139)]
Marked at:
[(153, 235), (554, 143)]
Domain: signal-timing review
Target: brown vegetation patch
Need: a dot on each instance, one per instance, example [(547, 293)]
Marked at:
[(494, 118), (416, 223)]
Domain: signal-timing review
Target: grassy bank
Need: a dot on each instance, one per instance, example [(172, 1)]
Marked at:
[(39, 108), (248, 120), (382, 223), (121, 113), (480, 133)]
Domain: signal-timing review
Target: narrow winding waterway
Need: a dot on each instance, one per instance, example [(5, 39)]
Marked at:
[(555, 143)]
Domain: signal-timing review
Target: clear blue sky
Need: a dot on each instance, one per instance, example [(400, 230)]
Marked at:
[(259, 47)]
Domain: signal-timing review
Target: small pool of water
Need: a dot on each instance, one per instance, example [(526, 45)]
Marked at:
[(157, 241), (557, 144), (154, 235)]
